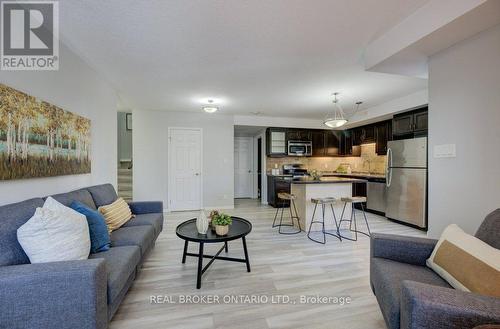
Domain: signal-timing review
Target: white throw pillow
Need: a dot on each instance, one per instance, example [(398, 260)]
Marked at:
[(55, 233)]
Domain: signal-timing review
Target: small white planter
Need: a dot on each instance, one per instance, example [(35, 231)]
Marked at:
[(221, 229)]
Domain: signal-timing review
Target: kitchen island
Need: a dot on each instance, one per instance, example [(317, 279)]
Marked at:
[(307, 188)]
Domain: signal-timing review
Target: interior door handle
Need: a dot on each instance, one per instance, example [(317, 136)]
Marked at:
[(249, 171), (197, 174)]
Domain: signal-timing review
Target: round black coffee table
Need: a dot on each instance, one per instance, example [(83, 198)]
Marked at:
[(237, 230)]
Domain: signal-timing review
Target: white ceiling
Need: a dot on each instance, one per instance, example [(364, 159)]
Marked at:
[(277, 57)]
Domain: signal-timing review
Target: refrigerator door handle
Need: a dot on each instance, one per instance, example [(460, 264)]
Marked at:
[(388, 170)]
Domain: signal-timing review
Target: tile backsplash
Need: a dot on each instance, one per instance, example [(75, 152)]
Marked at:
[(369, 161)]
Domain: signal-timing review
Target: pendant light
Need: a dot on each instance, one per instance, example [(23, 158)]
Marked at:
[(210, 108), (338, 117)]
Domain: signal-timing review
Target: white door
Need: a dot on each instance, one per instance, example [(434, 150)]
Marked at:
[(185, 156), (243, 167)]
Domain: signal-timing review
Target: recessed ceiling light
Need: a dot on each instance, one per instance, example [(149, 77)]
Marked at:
[(210, 108)]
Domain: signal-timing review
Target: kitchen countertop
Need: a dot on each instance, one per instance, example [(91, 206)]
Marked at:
[(355, 175), (282, 175), (328, 180)]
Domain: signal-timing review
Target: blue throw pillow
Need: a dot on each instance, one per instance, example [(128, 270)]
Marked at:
[(98, 230)]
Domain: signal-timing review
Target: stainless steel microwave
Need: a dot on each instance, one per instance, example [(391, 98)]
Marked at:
[(299, 148)]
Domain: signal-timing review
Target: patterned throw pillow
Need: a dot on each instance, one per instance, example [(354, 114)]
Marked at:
[(116, 214), (466, 263)]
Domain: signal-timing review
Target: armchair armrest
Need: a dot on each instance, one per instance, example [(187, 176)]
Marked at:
[(403, 249), (70, 294), (146, 207), (428, 306)]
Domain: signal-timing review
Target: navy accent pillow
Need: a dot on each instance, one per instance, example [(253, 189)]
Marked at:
[(98, 230)]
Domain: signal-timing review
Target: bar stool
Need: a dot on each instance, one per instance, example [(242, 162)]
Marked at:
[(354, 200), (323, 202), (283, 197)]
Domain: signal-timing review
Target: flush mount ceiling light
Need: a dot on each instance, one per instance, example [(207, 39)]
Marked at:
[(338, 118), (210, 108)]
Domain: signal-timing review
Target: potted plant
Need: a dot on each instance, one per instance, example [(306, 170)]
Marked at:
[(315, 174), (221, 222), (213, 213)]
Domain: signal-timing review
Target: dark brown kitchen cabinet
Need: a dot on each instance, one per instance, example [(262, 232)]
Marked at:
[(276, 144), (363, 135), (383, 134), (298, 135), (410, 124), (402, 124), (420, 121), (332, 143), (277, 185), (359, 189), (318, 143), (346, 144)]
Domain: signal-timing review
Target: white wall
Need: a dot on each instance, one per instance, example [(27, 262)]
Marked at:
[(79, 89), (150, 171), (464, 109)]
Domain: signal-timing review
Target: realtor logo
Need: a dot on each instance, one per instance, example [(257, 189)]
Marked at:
[(30, 35)]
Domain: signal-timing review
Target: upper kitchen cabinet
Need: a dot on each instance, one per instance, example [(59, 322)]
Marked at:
[(298, 135), (383, 134), (332, 143), (318, 143), (363, 135), (346, 144), (420, 121), (409, 124), (276, 142)]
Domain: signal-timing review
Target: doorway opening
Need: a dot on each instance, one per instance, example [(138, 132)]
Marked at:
[(259, 168), (125, 156), (249, 162)]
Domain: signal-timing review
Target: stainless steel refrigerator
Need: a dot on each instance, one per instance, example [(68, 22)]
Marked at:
[(406, 181)]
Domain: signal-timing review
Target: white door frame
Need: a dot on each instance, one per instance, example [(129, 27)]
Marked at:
[(263, 182), (169, 171), (253, 165)]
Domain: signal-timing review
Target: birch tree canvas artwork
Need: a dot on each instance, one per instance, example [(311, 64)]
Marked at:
[(38, 139)]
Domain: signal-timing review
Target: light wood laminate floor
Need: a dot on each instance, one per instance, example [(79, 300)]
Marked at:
[(289, 265)]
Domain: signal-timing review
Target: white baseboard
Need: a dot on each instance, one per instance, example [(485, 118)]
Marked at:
[(218, 207)]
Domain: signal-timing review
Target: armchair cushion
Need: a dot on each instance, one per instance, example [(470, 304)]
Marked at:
[(387, 277), (489, 231), (63, 295), (146, 207), (141, 236), (12, 217), (121, 263), (428, 306), (153, 219), (103, 194), (406, 249), (82, 196)]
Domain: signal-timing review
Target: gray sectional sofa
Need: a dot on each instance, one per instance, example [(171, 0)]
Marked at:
[(412, 296), (74, 294)]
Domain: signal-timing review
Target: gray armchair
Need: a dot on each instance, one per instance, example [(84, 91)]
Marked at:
[(413, 296)]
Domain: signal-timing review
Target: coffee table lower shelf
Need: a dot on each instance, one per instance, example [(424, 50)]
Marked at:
[(202, 269)]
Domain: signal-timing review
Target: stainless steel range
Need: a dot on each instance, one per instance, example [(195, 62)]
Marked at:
[(294, 170)]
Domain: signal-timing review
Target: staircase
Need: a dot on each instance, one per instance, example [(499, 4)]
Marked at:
[(125, 184)]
